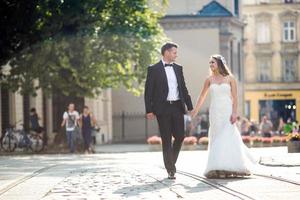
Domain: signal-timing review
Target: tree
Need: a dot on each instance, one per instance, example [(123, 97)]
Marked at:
[(77, 46)]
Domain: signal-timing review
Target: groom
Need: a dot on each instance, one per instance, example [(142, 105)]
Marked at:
[(165, 98)]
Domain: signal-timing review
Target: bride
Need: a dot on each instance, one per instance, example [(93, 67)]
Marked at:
[(227, 154)]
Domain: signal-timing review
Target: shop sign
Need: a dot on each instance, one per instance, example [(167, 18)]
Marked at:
[(277, 95)]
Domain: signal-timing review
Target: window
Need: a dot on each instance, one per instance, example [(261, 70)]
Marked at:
[(247, 109), (239, 61), (231, 56), (289, 69), (263, 32), (264, 69), (263, 1), (236, 7), (289, 31), (288, 1)]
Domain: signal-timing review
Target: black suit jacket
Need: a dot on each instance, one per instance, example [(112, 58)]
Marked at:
[(156, 89)]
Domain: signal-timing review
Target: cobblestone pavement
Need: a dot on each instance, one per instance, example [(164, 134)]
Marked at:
[(110, 183), (141, 176)]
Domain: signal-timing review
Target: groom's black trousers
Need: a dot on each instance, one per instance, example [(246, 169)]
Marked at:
[(171, 123)]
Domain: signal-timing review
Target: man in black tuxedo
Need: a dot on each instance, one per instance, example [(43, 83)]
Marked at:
[(166, 98)]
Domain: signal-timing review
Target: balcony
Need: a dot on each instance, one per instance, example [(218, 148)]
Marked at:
[(289, 47), (290, 80), (281, 84), (263, 49)]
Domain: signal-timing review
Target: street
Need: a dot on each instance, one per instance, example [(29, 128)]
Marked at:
[(140, 175)]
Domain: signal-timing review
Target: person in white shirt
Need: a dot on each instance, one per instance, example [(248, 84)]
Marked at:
[(70, 119)]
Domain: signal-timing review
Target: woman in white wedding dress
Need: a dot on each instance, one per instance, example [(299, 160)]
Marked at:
[(227, 154)]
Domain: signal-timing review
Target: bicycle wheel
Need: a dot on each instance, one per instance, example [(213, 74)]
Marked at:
[(36, 144), (9, 143)]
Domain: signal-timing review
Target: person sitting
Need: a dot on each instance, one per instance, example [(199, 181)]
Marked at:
[(266, 127), (34, 120)]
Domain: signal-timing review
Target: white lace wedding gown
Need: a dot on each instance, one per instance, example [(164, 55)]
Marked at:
[(226, 150)]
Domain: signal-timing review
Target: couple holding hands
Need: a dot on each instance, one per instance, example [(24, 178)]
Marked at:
[(166, 99)]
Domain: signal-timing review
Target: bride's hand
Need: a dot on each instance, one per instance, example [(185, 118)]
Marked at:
[(233, 118), (193, 113)]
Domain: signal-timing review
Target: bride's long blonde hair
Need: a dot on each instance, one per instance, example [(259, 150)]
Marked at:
[(222, 67)]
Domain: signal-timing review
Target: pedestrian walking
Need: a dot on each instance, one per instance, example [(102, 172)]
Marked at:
[(70, 119), (87, 122)]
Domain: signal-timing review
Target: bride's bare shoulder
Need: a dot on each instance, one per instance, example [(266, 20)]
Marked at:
[(208, 79), (231, 77), (207, 82)]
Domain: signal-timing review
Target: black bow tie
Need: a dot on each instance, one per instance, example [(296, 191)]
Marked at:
[(168, 65)]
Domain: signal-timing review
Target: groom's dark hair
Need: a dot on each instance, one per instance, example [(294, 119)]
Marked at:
[(167, 46)]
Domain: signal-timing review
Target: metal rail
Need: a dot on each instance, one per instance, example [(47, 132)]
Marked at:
[(25, 178), (217, 186)]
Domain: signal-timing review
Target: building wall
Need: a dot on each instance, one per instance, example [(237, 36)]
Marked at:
[(177, 7), (195, 48), (253, 2), (273, 13), (49, 119), (16, 101), (37, 103), (252, 49)]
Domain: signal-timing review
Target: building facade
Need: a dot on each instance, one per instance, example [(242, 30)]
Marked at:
[(272, 62), (200, 28)]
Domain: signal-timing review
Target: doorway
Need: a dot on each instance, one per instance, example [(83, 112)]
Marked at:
[(276, 109)]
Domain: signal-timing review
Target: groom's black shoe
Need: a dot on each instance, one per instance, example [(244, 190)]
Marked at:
[(171, 175)]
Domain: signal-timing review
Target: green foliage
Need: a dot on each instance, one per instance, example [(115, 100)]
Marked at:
[(81, 46)]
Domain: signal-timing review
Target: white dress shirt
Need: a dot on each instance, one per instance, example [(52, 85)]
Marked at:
[(173, 94)]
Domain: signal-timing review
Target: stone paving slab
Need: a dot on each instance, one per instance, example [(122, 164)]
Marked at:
[(292, 160)]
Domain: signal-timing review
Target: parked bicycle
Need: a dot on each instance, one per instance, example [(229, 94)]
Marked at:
[(9, 141), (18, 138)]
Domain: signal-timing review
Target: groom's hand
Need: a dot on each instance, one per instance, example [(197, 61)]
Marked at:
[(150, 116), (193, 113)]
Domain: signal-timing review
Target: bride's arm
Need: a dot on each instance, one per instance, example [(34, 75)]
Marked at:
[(202, 97), (234, 100)]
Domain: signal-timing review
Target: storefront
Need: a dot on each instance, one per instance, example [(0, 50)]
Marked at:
[(275, 104)]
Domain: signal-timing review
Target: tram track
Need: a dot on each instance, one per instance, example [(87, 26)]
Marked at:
[(218, 186), (278, 179), (25, 178), (233, 192)]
